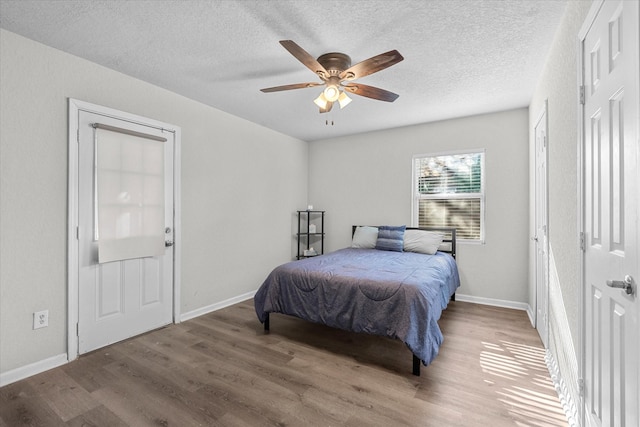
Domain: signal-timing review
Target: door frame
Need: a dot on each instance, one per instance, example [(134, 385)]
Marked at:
[(580, 242), (544, 114), (75, 107)]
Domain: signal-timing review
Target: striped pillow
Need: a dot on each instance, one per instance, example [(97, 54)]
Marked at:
[(390, 238)]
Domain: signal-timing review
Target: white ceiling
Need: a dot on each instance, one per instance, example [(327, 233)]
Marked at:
[(462, 57)]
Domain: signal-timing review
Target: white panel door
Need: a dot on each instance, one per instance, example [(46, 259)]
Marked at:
[(611, 215), (118, 299), (542, 257)]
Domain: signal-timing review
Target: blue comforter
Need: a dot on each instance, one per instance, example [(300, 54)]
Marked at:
[(395, 294)]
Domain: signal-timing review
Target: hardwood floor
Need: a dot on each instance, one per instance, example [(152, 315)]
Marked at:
[(221, 369)]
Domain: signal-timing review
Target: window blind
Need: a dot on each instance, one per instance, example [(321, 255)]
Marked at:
[(130, 195), (450, 193), (453, 174), (463, 214)]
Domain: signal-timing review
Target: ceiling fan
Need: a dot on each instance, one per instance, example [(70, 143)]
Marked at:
[(337, 73)]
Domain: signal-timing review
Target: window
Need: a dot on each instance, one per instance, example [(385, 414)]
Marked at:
[(449, 192)]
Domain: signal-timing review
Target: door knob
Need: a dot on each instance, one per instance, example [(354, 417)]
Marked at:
[(626, 284)]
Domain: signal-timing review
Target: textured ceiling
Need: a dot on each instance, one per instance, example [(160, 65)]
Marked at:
[(462, 57)]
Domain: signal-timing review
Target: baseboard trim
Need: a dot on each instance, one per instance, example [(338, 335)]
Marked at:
[(568, 404), (217, 306), (532, 318), (26, 371), (494, 302)]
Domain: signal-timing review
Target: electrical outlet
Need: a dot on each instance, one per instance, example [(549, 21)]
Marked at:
[(40, 319)]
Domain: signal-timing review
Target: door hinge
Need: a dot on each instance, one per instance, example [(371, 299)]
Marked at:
[(582, 95), (581, 387), (582, 247), (77, 329), (78, 233), (78, 136)]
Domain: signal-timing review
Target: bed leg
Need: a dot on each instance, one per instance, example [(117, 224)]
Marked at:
[(453, 297), (266, 323), (416, 366)]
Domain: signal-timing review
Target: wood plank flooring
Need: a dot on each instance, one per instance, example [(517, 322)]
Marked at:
[(221, 369)]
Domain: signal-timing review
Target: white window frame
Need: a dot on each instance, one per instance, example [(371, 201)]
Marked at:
[(416, 196)]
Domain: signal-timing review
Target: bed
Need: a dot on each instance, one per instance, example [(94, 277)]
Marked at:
[(399, 293)]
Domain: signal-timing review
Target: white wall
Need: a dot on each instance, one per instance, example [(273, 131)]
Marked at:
[(240, 184), (366, 179), (559, 84)]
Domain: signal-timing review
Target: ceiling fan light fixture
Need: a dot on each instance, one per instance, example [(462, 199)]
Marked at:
[(331, 93), (344, 100), (321, 101)]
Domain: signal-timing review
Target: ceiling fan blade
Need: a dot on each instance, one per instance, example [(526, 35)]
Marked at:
[(372, 65), (303, 56), (370, 92), (327, 108), (289, 87)]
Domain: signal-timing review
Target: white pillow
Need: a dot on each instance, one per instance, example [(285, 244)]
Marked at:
[(422, 241), (365, 238)]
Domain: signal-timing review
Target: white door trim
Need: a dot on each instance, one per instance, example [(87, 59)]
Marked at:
[(542, 240), (580, 350), (75, 106)]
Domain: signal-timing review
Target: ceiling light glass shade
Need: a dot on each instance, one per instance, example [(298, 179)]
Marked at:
[(321, 101), (331, 93), (344, 100)]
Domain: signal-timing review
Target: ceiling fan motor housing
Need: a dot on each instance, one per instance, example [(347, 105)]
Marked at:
[(334, 62)]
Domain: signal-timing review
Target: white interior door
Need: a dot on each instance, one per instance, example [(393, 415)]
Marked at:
[(123, 297), (541, 241), (611, 214)]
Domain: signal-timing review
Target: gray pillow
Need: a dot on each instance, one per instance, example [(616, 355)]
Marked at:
[(422, 241), (365, 237)]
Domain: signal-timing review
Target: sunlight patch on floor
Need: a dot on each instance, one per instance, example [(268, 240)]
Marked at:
[(534, 406)]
